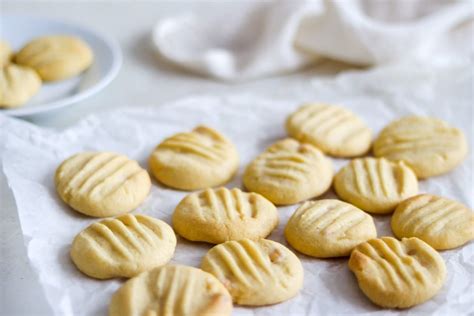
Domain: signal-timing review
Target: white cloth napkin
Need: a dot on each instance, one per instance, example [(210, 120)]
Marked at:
[(270, 37)]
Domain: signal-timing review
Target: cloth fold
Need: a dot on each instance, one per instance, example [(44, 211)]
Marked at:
[(279, 36)]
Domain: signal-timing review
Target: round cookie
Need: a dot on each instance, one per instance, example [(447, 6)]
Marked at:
[(5, 53), (429, 146), (17, 85), (123, 246), (375, 185), (220, 215), (440, 222), (195, 160), (328, 228), (397, 274), (333, 129), (56, 57), (289, 172), (256, 273), (172, 290), (102, 184)]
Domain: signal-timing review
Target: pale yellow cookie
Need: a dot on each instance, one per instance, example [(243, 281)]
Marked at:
[(328, 228), (397, 274), (172, 290), (5, 53), (375, 185), (289, 172), (256, 273), (195, 160), (428, 145), (219, 215), (123, 246), (56, 57), (102, 184), (17, 85), (333, 129), (440, 222)]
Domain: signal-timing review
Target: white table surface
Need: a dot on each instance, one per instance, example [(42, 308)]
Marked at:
[(143, 80)]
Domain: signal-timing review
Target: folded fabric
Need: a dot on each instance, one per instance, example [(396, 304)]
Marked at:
[(271, 37)]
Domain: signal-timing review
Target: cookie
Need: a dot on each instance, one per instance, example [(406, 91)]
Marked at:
[(56, 57), (17, 85), (440, 222), (397, 274), (375, 185), (172, 290), (123, 246), (256, 273), (289, 172), (220, 215), (102, 184), (328, 228), (335, 130), (429, 146), (5, 53), (195, 160)]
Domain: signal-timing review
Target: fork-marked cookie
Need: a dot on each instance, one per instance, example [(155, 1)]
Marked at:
[(123, 246), (219, 215)]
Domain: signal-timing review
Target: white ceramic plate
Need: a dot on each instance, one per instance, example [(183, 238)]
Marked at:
[(17, 30)]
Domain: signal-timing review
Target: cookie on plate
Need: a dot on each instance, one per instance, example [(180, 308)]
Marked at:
[(172, 290), (398, 274), (440, 222), (220, 215), (428, 145), (5, 53), (289, 172), (123, 246), (256, 273), (333, 129), (56, 57), (328, 228), (375, 185), (102, 184), (194, 160), (17, 85)]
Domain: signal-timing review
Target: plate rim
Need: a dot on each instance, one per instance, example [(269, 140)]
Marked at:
[(117, 61)]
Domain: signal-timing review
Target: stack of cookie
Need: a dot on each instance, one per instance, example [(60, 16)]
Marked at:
[(47, 58), (245, 268)]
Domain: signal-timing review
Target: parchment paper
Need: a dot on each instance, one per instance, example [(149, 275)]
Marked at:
[(31, 154)]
